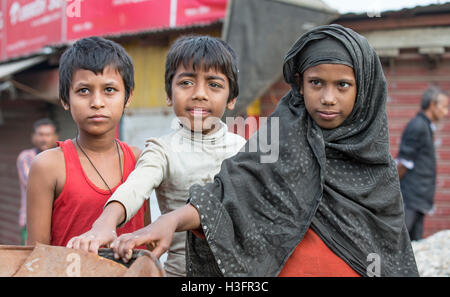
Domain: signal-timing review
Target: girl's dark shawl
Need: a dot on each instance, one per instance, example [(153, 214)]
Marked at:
[(342, 183)]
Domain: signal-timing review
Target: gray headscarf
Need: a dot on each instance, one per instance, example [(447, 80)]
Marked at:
[(342, 182)]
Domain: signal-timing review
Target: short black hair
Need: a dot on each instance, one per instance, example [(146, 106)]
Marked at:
[(430, 95), (44, 122), (202, 51), (94, 54)]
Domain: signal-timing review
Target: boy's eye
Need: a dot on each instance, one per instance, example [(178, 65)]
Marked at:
[(215, 85), (110, 90), (185, 83), (83, 91)]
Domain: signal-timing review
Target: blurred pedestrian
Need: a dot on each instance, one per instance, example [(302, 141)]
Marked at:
[(416, 161), (44, 136)]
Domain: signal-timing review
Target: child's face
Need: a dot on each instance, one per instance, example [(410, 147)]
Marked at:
[(199, 98), (329, 92), (97, 101)]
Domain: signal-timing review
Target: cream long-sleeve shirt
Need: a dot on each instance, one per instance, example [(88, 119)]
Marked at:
[(171, 165)]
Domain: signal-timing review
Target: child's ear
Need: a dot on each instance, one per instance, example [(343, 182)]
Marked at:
[(64, 104), (231, 103), (130, 97), (169, 101)]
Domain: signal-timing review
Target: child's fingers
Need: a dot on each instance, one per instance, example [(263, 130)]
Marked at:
[(84, 243), (122, 246), (126, 249), (76, 243), (94, 245), (114, 246), (158, 251)]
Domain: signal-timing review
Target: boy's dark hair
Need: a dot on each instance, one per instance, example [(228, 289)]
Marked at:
[(206, 52), (44, 122), (94, 54), (430, 95)]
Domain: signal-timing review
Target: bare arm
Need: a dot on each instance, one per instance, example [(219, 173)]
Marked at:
[(136, 151), (41, 189), (187, 218), (158, 235)]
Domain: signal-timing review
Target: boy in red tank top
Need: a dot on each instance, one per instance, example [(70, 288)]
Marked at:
[(69, 185)]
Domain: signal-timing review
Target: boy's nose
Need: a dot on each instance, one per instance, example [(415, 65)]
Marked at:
[(200, 93), (97, 100)]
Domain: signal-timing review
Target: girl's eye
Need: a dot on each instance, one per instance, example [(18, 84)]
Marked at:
[(344, 84), (316, 82)]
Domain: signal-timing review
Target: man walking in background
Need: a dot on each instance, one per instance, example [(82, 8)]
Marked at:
[(416, 161), (44, 136)]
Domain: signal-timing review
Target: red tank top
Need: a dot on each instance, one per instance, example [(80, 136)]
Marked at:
[(81, 202), (313, 258)]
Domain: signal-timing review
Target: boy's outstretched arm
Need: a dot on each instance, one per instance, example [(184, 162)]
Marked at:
[(103, 230), (158, 235)]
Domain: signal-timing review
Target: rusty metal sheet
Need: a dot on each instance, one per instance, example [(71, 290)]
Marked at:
[(12, 257), (54, 261)]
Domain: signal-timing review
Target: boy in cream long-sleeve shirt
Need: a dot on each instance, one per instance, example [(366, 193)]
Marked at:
[(170, 165), (201, 82)]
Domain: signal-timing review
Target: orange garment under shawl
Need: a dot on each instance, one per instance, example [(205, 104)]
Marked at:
[(312, 258)]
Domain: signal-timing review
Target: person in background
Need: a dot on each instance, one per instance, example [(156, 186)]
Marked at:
[(416, 160), (44, 136)]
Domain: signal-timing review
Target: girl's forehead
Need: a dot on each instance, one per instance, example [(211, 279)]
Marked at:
[(330, 70), (323, 51)]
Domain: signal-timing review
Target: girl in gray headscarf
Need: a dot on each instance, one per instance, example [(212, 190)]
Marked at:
[(331, 202)]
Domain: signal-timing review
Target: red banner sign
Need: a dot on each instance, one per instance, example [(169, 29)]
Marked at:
[(2, 35), (27, 26), (116, 16), (200, 11)]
